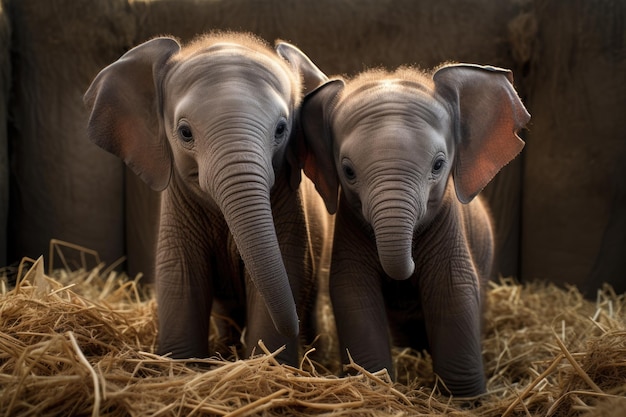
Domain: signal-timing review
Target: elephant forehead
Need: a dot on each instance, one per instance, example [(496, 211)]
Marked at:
[(225, 63), (390, 105), (219, 89)]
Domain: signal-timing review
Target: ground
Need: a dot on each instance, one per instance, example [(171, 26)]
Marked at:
[(82, 342)]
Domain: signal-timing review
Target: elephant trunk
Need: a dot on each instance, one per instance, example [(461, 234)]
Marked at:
[(393, 228), (245, 203)]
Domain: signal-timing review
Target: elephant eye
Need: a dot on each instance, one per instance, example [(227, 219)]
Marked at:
[(184, 133), (438, 165), (348, 170), (281, 131)]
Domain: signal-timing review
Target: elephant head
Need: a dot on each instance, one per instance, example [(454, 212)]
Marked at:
[(393, 140), (211, 122)]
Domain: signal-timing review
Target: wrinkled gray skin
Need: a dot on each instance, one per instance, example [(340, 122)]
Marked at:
[(210, 125), (412, 246)]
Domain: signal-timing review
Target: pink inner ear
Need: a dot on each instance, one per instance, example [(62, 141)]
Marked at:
[(150, 161), (490, 113), (324, 184), (478, 163)]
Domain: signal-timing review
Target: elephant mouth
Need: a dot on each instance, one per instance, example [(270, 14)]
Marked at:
[(193, 176), (193, 181)]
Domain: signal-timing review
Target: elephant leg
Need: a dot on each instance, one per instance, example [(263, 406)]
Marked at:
[(357, 299), (259, 326), (183, 286), (361, 321), (184, 307), (229, 318), (319, 228), (301, 268), (451, 299), (455, 344)]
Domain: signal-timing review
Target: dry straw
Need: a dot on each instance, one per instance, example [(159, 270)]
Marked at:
[(82, 343)]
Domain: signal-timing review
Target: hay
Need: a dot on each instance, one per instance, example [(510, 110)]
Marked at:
[(82, 343)]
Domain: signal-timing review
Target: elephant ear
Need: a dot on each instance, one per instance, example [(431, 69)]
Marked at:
[(311, 75), (487, 116), (316, 131), (124, 100)]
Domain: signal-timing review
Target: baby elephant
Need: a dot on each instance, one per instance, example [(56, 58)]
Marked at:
[(210, 124), (412, 246)]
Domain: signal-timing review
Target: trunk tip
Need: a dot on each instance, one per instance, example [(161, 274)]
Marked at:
[(400, 272), (289, 327)]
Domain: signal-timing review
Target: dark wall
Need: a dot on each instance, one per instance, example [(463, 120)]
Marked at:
[(5, 80), (62, 186), (574, 194), (558, 209)]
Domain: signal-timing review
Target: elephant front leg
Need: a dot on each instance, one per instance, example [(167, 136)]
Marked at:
[(183, 290), (358, 304), (361, 324), (452, 313), (184, 307), (259, 326)]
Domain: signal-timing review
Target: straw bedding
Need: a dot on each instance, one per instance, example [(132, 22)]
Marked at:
[(82, 342)]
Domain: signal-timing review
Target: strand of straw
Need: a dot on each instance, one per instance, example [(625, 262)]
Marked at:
[(96, 383)]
